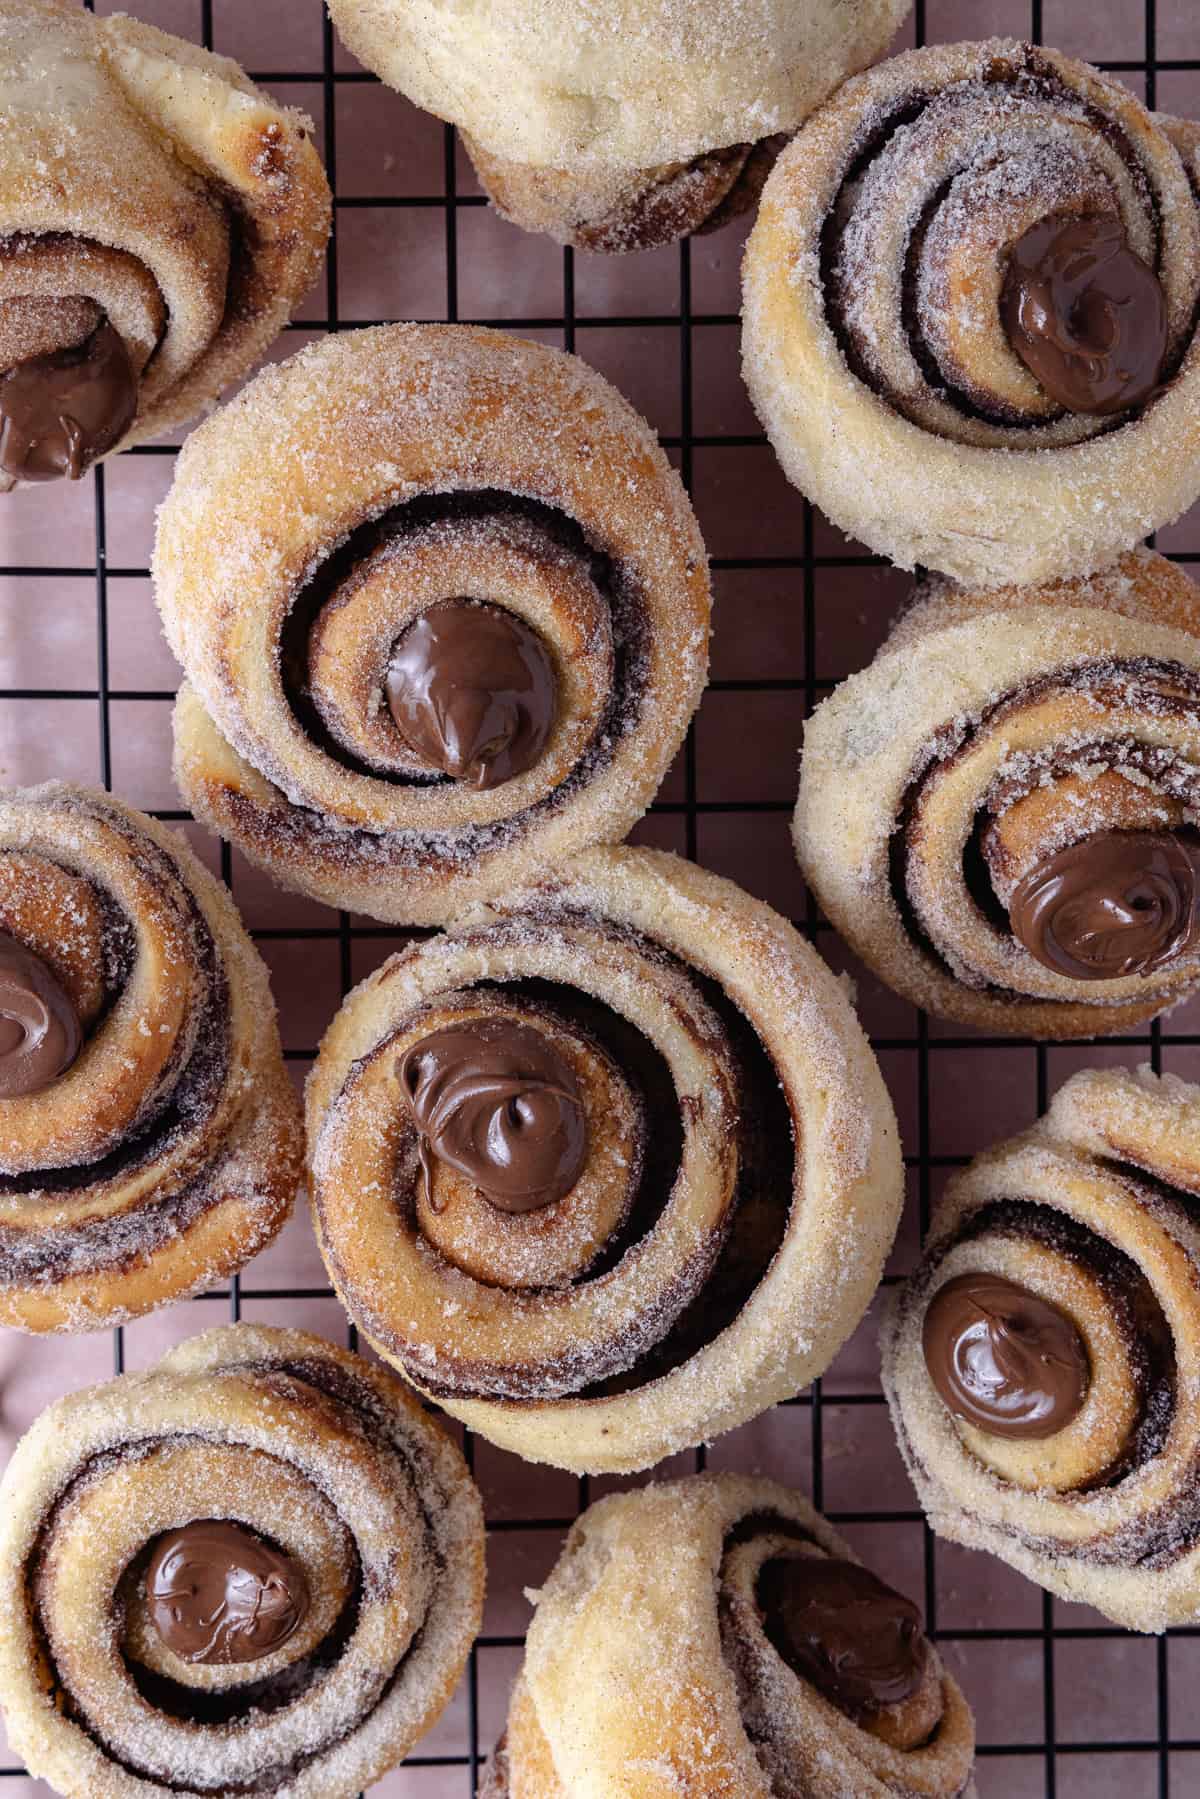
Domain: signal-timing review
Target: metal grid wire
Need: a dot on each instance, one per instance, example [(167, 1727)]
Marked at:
[(1034, 1745)]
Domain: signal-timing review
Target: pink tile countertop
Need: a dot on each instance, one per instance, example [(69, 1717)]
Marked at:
[(1066, 1705)]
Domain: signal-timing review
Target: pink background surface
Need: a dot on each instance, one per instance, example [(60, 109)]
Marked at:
[(1066, 1705)]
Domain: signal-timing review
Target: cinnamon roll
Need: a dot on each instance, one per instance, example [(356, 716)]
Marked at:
[(257, 1568), (620, 126), (608, 1168), (971, 304), (1000, 814), (454, 623), (1041, 1364), (160, 220), (150, 1140), (764, 1660)]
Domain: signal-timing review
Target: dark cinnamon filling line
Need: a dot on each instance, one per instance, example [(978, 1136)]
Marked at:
[(1037, 79), (1162, 767), (276, 1692)]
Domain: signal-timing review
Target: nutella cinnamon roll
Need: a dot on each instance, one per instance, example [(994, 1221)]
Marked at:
[(160, 220), (620, 126), (971, 305), (1000, 815), (454, 623), (763, 1659), (607, 1168), (1041, 1364), (257, 1568), (150, 1139)]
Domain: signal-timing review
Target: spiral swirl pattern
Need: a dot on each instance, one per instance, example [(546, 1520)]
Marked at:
[(1092, 1210), (738, 1137), (876, 305), (998, 815), (322, 1456), (699, 1693), (169, 1150), (161, 218), (412, 467)]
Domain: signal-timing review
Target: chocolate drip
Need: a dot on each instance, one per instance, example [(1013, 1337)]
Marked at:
[(472, 689), (61, 411), (1004, 1359), (1086, 315), (1116, 904), (494, 1099), (219, 1594), (40, 1034), (839, 1627)]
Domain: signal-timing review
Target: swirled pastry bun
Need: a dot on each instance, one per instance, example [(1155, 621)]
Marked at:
[(716, 1636), (150, 1138), (1041, 1364), (443, 606), (626, 123), (256, 1567), (1000, 815), (161, 218), (608, 1167), (971, 299)]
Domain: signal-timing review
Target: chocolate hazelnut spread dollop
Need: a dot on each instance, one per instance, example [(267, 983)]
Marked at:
[(1004, 1359), (1086, 315), (472, 689), (60, 411), (40, 1034), (219, 1594), (841, 1628), (1116, 904), (494, 1099)]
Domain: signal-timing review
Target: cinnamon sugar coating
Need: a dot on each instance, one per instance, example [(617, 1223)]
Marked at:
[(169, 1152), (616, 124), (875, 345), (1093, 1211), (311, 1449), (993, 731), (741, 1185), (648, 1669), (410, 465), (146, 181)]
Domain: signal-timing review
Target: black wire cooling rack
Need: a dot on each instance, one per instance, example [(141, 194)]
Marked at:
[(1027, 1746)]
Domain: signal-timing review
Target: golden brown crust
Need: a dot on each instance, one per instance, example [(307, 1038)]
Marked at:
[(620, 127), (190, 207), (170, 1152), (874, 345), (306, 1444), (1091, 1209), (413, 464), (620, 209), (1003, 726), (758, 1228), (693, 1696)]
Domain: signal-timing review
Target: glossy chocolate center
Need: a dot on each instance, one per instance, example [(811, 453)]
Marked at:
[(840, 1628), (60, 411), (219, 1594), (1085, 314), (40, 1034), (472, 690), (1119, 903), (494, 1099), (1003, 1359)]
